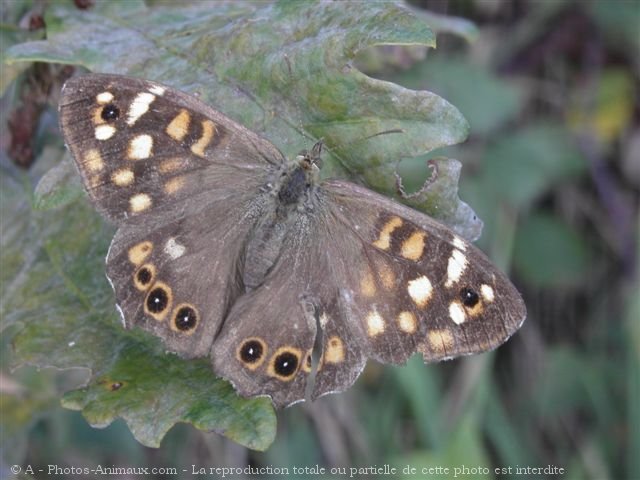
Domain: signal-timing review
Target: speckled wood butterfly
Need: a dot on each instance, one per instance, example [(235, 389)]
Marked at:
[(225, 248)]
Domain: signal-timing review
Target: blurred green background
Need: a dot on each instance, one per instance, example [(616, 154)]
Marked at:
[(552, 166)]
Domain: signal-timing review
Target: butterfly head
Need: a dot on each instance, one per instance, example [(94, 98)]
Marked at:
[(311, 160)]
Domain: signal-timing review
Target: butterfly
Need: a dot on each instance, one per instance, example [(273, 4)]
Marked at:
[(227, 249)]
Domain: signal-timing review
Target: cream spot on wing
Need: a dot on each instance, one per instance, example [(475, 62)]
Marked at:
[(93, 160), (95, 181), (123, 177), (323, 319), (413, 246), (459, 243), (384, 239), (174, 249), (97, 116), (476, 310), (157, 90), (171, 165), (104, 132), (487, 293), (367, 285), (179, 126), (456, 267), (440, 341), (174, 184), (104, 97), (140, 147), (139, 252), (139, 107), (407, 322), (420, 290), (375, 323), (457, 314), (335, 350), (208, 131), (387, 276), (139, 202)]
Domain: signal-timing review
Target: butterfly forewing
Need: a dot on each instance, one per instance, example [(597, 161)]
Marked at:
[(420, 287), (142, 147)]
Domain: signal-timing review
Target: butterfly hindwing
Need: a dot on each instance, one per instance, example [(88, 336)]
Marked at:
[(174, 275)]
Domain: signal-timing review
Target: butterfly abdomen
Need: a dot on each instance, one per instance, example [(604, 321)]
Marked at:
[(292, 194), (262, 251)]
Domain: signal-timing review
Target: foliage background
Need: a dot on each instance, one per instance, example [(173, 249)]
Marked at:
[(550, 90)]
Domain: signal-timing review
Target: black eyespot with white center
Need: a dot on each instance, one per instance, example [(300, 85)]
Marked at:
[(110, 113), (285, 364), (251, 351), (186, 318), (157, 300), (469, 297)]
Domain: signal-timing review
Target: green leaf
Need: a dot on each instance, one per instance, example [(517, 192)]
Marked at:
[(58, 187), (11, 33), (447, 24), (284, 70), (440, 193), (137, 390), (486, 100)]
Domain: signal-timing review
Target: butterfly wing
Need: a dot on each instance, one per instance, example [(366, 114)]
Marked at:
[(381, 280), (415, 285), (176, 275), (161, 164), (143, 148)]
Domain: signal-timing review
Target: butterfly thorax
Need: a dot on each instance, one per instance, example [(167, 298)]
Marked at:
[(298, 177), (293, 194)]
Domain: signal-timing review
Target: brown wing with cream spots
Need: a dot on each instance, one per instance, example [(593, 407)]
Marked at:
[(141, 147), (406, 284), (176, 276), (380, 281)]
